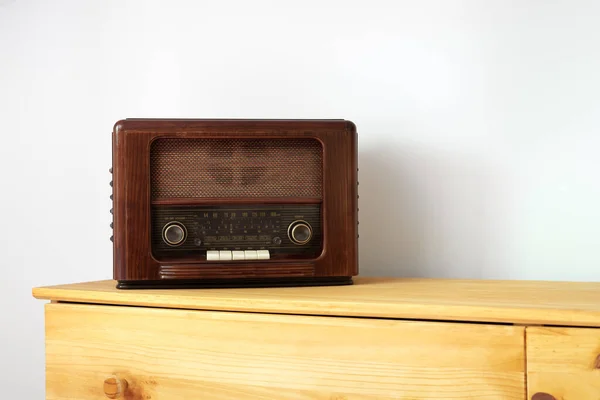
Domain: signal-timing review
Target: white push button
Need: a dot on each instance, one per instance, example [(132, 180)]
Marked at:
[(225, 255), (263, 254), (250, 255), (212, 255), (238, 255)]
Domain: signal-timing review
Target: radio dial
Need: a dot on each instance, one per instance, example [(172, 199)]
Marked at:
[(300, 232), (174, 234)]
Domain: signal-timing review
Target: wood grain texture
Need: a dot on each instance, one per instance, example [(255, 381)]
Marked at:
[(522, 302), (132, 138), (181, 354), (115, 388), (562, 363)]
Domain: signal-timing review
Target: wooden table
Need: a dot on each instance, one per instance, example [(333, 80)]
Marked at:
[(378, 339)]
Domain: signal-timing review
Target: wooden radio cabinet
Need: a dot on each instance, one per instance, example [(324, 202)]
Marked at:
[(377, 339)]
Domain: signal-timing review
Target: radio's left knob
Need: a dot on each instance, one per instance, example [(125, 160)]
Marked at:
[(174, 233)]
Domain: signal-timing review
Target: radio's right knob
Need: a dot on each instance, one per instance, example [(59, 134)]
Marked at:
[(300, 232)]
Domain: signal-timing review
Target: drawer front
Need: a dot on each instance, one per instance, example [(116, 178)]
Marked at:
[(563, 363), (157, 354)]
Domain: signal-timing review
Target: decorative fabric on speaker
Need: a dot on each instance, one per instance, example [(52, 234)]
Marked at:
[(236, 168)]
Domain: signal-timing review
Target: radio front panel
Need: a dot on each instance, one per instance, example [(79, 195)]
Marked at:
[(237, 232)]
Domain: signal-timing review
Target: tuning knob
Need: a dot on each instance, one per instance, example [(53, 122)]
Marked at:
[(174, 233), (300, 232), (114, 388)]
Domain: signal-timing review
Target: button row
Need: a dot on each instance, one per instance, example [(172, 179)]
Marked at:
[(226, 255)]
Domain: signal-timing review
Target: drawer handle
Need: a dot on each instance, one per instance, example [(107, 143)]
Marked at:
[(542, 396), (114, 388)]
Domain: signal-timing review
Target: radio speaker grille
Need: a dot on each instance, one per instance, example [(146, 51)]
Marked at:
[(236, 168)]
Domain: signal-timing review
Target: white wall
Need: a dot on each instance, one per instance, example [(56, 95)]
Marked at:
[(479, 128)]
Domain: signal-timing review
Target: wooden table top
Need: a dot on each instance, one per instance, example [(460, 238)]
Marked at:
[(519, 302)]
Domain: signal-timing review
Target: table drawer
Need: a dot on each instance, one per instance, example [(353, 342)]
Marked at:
[(157, 354), (563, 363)]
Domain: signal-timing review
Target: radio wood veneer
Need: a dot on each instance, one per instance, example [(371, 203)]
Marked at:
[(222, 202), (378, 339)]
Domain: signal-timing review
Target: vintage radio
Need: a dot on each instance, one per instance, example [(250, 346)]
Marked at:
[(222, 203)]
